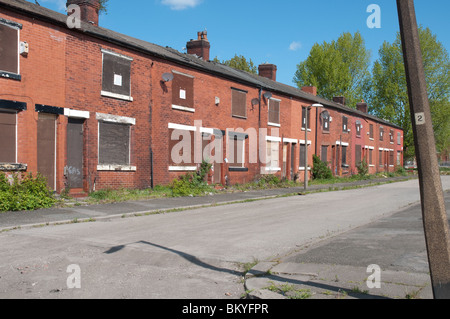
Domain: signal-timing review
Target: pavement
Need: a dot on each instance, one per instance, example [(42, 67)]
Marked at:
[(391, 251), (336, 267), (80, 212)]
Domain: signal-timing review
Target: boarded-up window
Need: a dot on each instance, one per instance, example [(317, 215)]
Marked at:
[(7, 137), (344, 155), (274, 111), (236, 155), (370, 156), (114, 143), (324, 153), (116, 77), (304, 119), (358, 155), (391, 158), (181, 147), (380, 157), (238, 103), (344, 124), (9, 48), (273, 154), (371, 131), (303, 155), (183, 90), (399, 138), (325, 117), (399, 158), (381, 133), (358, 128), (391, 136)]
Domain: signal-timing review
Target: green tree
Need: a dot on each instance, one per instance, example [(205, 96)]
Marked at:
[(240, 63), (103, 6), (339, 68), (389, 96)]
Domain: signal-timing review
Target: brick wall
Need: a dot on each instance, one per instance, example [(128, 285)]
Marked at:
[(64, 69)]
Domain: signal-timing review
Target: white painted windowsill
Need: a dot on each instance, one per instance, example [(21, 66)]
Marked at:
[(119, 168)]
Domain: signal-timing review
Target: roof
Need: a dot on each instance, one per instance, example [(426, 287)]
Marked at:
[(218, 69)]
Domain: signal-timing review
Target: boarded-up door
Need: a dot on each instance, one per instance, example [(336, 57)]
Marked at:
[(74, 168), (358, 149), (46, 143), (285, 150), (292, 161), (7, 137)]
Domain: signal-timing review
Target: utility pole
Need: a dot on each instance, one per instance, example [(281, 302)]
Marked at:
[(432, 197)]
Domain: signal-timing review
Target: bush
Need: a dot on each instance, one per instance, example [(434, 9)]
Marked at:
[(25, 192), (363, 169), (400, 170), (321, 169), (269, 180), (192, 184)]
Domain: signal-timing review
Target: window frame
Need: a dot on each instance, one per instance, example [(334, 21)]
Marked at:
[(358, 129), (188, 101), (326, 120), (233, 101), (306, 111), (371, 132), (104, 91), (272, 141), (344, 151), (18, 27), (15, 113), (345, 124), (274, 123), (303, 154), (233, 138), (119, 120), (324, 147)]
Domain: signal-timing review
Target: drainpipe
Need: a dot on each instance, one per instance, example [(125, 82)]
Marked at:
[(151, 168), (259, 128)]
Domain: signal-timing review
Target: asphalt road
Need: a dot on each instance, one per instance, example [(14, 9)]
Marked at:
[(186, 255)]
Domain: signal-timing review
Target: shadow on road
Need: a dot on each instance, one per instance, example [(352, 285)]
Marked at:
[(184, 255), (196, 261)]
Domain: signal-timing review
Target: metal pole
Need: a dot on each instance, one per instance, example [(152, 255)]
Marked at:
[(306, 148), (432, 198)]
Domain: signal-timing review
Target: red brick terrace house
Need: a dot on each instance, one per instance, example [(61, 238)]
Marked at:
[(90, 108)]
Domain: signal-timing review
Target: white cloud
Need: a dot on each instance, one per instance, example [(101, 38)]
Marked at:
[(181, 4), (60, 4), (295, 46)]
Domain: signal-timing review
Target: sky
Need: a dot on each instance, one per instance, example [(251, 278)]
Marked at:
[(280, 32)]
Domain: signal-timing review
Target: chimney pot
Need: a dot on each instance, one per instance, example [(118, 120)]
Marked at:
[(200, 47)]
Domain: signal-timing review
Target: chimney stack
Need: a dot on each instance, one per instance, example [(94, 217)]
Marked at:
[(339, 99), (310, 89), (88, 9), (268, 71), (362, 106), (199, 47)]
